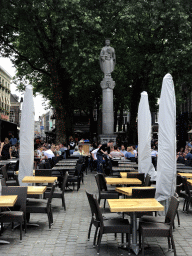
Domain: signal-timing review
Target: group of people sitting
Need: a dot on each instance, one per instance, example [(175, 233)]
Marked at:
[(108, 150), (9, 148), (184, 154)]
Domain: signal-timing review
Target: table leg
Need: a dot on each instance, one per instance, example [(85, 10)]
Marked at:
[(134, 245)]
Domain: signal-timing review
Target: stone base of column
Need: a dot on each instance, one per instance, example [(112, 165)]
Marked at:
[(105, 138)]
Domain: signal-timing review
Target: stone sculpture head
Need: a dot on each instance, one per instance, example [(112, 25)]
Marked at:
[(107, 41)]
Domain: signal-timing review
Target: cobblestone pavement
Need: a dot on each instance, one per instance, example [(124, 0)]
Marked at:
[(68, 235)]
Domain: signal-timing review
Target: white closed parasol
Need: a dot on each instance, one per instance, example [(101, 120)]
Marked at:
[(26, 159), (166, 164), (144, 138)]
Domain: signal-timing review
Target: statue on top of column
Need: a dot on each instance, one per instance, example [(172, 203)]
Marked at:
[(107, 58)]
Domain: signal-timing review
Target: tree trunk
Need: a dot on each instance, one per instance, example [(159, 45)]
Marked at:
[(64, 112), (132, 129)]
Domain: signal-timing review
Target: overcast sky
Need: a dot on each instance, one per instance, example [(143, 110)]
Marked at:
[(38, 100)]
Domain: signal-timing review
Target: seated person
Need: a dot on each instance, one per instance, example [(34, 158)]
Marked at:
[(181, 156), (81, 151), (189, 156), (48, 153), (76, 152), (116, 152), (130, 153), (122, 150)]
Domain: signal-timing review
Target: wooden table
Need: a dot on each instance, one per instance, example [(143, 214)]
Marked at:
[(7, 201), (36, 190), (39, 179), (186, 174), (123, 169), (134, 206), (190, 181), (67, 163), (128, 190), (123, 181), (17, 172), (63, 168), (124, 174)]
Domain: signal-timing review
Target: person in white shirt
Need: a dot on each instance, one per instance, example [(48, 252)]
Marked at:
[(48, 153), (94, 153)]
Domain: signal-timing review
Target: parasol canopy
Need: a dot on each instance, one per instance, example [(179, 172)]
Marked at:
[(166, 163), (26, 159), (144, 138)]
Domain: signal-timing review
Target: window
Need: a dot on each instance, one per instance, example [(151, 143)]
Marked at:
[(12, 117)]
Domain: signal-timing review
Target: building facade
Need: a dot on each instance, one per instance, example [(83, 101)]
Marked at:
[(15, 110), (5, 80)]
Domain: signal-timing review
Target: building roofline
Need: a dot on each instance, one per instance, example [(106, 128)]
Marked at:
[(6, 72)]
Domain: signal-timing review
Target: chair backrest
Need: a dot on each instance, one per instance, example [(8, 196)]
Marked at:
[(65, 178), (95, 209), (43, 172), (186, 186), (48, 165), (147, 180), (3, 182), (101, 183), (21, 192), (172, 209), (51, 194), (41, 166), (16, 166), (78, 169), (143, 193), (54, 160), (140, 176), (4, 172), (81, 160)]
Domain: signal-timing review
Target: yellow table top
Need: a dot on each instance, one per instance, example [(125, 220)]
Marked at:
[(185, 174), (36, 190), (123, 181), (8, 201), (190, 181), (124, 174), (17, 172), (39, 179), (128, 190), (135, 205)]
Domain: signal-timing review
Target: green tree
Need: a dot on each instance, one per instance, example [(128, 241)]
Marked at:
[(55, 44)]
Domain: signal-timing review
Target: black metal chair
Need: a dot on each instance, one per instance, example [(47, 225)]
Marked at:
[(10, 182), (140, 176), (155, 229), (18, 214), (106, 226), (104, 193), (186, 195), (59, 194), (43, 172), (77, 177), (41, 206)]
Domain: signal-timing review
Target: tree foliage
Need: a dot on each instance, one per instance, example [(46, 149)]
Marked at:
[(56, 44)]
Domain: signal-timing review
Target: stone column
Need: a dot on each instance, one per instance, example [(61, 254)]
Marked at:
[(107, 86)]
